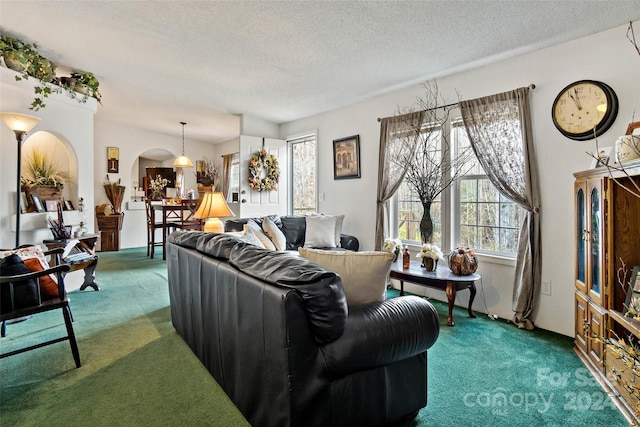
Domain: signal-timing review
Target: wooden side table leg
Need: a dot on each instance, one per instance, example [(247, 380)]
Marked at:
[(451, 297), (472, 290), (401, 287), (90, 276)]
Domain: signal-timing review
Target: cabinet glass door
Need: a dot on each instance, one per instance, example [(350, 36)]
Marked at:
[(581, 229), (595, 234)]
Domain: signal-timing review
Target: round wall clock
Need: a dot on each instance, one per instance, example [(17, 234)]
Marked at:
[(585, 109)]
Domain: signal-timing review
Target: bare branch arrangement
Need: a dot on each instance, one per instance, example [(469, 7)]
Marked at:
[(632, 37), (631, 144), (426, 149), (115, 194)]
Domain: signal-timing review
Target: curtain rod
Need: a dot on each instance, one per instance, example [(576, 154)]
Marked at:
[(531, 86)]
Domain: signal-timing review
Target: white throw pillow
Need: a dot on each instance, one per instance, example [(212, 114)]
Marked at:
[(247, 236), (339, 220), (321, 232), (275, 234), (266, 242), (364, 274)]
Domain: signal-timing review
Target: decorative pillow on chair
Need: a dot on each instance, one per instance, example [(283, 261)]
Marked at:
[(321, 232), (364, 274), (275, 234), (35, 260), (25, 293)]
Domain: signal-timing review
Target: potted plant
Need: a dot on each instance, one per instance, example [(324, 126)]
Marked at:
[(41, 176), (87, 85), (27, 61)]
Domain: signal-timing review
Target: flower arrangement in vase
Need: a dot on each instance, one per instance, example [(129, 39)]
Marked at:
[(392, 246), (208, 175), (157, 185), (430, 255)]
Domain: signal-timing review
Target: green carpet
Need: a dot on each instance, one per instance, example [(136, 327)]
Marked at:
[(137, 371)]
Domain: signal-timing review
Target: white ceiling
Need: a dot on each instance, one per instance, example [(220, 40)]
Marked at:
[(205, 62)]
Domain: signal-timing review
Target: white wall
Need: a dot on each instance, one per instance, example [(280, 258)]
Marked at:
[(67, 119), (607, 56)]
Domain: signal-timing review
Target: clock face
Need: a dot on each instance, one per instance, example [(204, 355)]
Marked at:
[(585, 109)]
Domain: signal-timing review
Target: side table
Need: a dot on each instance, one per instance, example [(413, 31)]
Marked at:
[(443, 279), (81, 256)]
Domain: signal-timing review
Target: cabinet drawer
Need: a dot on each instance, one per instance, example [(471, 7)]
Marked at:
[(622, 377)]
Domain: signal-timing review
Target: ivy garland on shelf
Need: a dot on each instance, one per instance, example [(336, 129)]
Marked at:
[(264, 173)]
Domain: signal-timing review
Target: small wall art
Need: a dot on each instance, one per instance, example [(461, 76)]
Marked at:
[(113, 159), (346, 157)]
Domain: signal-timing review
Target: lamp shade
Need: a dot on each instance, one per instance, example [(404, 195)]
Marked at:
[(213, 206), (183, 162), (20, 122)]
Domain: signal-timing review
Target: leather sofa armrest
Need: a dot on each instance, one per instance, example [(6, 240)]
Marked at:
[(349, 242), (382, 333)]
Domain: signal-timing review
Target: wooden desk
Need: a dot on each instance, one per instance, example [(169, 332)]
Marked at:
[(443, 278), (86, 245)]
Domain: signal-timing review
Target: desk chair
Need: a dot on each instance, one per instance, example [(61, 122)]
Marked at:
[(16, 281)]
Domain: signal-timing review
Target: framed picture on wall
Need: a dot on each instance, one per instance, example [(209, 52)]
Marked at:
[(346, 157), (113, 159)]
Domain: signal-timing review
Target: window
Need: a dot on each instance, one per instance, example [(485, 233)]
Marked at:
[(481, 218), (303, 174), (487, 220), (234, 178)]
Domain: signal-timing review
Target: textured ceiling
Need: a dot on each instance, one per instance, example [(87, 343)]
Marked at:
[(204, 62)]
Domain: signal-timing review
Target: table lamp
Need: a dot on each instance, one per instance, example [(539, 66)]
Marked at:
[(213, 206)]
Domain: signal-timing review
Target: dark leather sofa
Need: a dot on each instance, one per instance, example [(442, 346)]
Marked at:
[(275, 332), (294, 228)]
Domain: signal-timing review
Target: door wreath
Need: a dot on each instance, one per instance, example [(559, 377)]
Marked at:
[(264, 173)]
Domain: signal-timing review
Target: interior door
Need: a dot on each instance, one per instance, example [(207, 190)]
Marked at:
[(255, 203)]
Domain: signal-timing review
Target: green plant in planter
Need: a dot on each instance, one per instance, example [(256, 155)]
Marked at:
[(86, 84), (40, 170), (26, 60)]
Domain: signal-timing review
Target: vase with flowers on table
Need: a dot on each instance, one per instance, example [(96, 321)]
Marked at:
[(392, 246), (430, 254)]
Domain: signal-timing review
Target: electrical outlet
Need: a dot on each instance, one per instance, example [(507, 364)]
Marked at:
[(546, 287)]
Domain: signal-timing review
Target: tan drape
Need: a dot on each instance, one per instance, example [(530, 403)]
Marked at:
[(395, 132), (500, 131), (226, 174)]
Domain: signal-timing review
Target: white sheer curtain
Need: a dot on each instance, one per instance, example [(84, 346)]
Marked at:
[(396, 133), (499, 128)]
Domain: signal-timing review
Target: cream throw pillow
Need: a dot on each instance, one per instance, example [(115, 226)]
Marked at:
[(321, 232), (266, 242), (275, 234), (364, 274)]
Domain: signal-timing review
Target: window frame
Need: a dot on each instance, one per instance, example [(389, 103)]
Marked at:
[(450, 206), (291, 141)]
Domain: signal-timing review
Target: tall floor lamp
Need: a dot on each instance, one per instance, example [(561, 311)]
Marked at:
[(20, 124)]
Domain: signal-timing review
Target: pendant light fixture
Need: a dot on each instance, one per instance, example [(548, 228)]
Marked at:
[(183, 161)]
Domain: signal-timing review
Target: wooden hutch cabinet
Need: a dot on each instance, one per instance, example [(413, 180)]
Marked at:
[(607, 231)]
